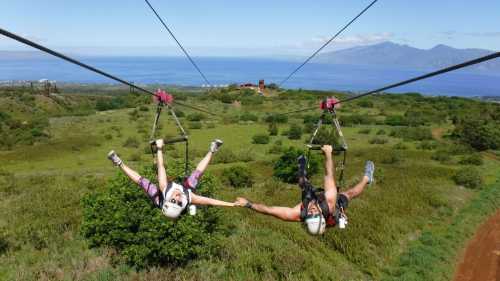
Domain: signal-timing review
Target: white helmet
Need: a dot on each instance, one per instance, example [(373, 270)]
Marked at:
[(316, 224), (171, 208)]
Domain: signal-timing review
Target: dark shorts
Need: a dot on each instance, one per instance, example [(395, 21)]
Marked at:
[(154, 192), (342, 201)]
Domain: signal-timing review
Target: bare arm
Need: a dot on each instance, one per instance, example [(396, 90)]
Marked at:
[(202, 200), (162, 174), (282, 213)]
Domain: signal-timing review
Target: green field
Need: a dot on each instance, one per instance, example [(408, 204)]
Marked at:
[(410, 225)]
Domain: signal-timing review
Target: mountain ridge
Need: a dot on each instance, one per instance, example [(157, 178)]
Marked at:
[(393, 55)]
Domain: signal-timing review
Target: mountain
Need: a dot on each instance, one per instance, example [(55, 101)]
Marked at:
[(392, 55), (20, 55)]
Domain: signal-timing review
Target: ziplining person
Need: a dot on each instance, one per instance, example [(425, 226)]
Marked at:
[(173, 198), (318, 208)]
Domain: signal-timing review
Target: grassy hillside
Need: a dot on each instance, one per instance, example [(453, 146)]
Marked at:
[(415, 202)]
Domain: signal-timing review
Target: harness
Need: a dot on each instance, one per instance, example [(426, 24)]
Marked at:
[(165, 99), (311, 193)]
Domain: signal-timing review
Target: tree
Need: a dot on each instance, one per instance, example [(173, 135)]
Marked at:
[(121, 217), (286, 168)]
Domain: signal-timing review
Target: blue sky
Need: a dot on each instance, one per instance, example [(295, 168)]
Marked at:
[(247, 28)]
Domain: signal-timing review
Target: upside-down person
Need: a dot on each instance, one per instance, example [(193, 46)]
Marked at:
[(172, 198), (318, 208)]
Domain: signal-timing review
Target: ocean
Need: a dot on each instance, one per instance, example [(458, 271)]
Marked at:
[(223, 71)]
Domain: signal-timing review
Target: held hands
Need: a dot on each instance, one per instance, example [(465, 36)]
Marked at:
[(327, 149), (241, 202)]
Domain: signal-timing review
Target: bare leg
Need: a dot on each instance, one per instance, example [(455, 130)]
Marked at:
[(357, 189), (133, 175), (329, 179), (202, 166)]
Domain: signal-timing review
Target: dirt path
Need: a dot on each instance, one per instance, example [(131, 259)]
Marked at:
[(482, 255)]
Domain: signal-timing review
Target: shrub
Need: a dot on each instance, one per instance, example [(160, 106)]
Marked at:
[(412, 133), (377, 140), (286, 168), (108, 137), (131, 142), (179, 113), (121, 217), (365, 103), (143, 108), (247, 116), (195, 125), (480, 134), (238, 176), (393, 157), (210, 125), (442, 156), (474, 159), (135, 157), (357, 119), (400, 146), (427, 145), (276, 118), (195, 117), (272, 129), (381, 132), (365, 131), (295, 132), (260, 139), (225, 155), (468, 177), (396, 120)]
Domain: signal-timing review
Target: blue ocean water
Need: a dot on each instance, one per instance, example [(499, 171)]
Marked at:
[(178, 71)]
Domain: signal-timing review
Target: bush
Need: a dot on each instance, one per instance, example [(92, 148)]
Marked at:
[(365, 103), (381, 132), (295, 132), (396, 120), (108, 137), (225, 155), (276, 118), (400, 146), (365, 131), (121, 217), (286, 168), (260, 139), (143, 108), (480, 134), (474, 159), (195, 117), (247, 116), (195, 125), (393, 157), (468, 177), (442, 156), (412, 133), (131, 142), (272, 129), (377, 140), (357, 119), (427, 145), (238, 176)]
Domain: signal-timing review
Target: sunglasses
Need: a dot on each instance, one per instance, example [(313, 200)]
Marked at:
[(312, 216), (176, 202)]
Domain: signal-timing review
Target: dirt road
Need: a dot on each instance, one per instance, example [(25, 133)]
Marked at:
[(481, 261)]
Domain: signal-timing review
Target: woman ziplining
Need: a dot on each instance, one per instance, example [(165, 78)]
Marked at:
[(319, 208), (171, 197)]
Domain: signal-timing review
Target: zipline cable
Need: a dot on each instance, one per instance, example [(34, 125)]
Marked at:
[(179, 44), (327, 42), (425, 76), (91, 68)]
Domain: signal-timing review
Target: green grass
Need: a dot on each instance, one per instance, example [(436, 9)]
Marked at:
[(413, 208)]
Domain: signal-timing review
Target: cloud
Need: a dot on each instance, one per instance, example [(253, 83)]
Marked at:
[(343, 42), (452, 34)]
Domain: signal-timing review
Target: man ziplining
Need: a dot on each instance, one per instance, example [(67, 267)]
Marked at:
[(172, 198), (318, 209)]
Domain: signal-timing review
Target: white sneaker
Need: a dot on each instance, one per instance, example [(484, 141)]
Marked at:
[(215, 145), (114, 158)]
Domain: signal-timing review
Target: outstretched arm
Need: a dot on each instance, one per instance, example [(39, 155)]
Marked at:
[(162, 174), (282, 213), (202, 200)]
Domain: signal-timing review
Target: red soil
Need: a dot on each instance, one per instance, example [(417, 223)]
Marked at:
[(481, 261)]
